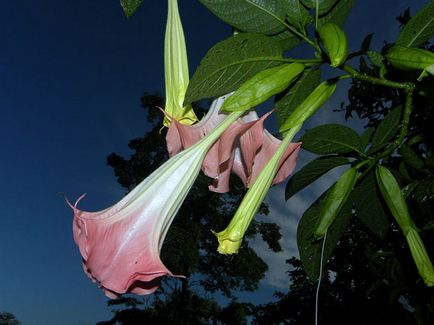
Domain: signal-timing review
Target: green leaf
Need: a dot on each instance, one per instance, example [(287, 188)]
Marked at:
[(369, 207), (311, 172), (286, 39), (419, 29), (338, 14), (255, 16), (310, 251), (331, 138), (366, 137), (387, 128), (410, 157), (297, 14), (231, 62), (377, 59), (130, 6), (324, 6), (296, 94), (366, 43)]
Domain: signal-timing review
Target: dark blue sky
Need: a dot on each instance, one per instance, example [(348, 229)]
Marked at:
[(71, 77)]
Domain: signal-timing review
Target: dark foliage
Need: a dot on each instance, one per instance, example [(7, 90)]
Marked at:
[(8, 319)]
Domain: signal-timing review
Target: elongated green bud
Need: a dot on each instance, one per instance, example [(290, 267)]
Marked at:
[(392, 194), (420, 257), (262, 86), (407, 58), (230, 239), (335, 43), (394, 199), (310, 105), (334, 201), (176, 69)]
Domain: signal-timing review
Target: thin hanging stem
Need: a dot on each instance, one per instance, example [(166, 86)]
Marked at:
[(319, 278)]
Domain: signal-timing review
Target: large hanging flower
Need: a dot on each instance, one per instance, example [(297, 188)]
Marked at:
[(120, 245)]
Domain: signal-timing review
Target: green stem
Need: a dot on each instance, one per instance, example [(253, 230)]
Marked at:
[(291, 28), (403, 132), (377, 81)]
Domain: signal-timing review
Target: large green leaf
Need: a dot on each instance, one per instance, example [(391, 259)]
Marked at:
[(286, 39), (297, 14), (366, 137), (338, 14), (231, 62), (311, 172), (368, 205), (310, 251), (331, 138), (419, 29), (255, 16), (324, 6), (387, 128), (130, 6), (298, 92)]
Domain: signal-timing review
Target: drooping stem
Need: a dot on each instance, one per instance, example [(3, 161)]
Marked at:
[(404, 126), (319, 278), (403, 132)]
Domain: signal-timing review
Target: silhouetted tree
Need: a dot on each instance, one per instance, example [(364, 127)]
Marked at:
[(8, 319)]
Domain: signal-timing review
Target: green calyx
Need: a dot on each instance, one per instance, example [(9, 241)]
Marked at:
[(176, 69), (395, 201), (407, 58)]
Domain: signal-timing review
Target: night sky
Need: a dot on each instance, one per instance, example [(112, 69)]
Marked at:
[(71, 77)]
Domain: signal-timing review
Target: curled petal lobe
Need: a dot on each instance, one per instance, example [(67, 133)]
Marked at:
[(244, 148), (120, 245)]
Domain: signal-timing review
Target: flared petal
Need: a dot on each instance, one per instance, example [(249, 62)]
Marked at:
[(220, 157), (120, 245)]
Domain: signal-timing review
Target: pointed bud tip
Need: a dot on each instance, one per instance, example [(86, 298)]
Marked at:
[(227, 247)]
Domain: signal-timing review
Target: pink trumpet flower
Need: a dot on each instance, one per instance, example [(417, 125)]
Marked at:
[(245, 155), (120, 245)]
